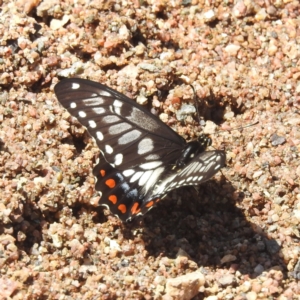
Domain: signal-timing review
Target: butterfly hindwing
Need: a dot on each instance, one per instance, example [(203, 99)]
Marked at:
[(200, 169)]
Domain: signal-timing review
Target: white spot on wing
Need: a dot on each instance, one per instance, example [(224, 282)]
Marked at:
[(109, 149), (75, 86), (145, 178), (129, 137), (118, 159), (99, 110), (202, 169), (136, 176), (118, 128), (92, 124), (128, 172), (73, 105), (117, 107), (217, 166), (190, 168), (117, 103), (93, 101), (145, 145), (165, 185), (82, 114), (104, 93), (100, 136), (154, 178), (152, 157), (151, 165), (110, 119)]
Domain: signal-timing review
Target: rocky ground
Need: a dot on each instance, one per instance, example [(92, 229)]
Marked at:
[(234, 237)]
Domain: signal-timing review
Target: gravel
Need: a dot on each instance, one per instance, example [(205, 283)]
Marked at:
[(235, 237)]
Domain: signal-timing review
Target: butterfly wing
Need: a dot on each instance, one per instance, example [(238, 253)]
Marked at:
[(127, 134), (126, 198), (124, 195), (137, 165), (200, 169)]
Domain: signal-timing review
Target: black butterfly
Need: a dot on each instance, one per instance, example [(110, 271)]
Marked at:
[(141, 158)]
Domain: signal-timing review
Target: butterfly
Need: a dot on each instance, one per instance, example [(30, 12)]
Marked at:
[(141, 158)]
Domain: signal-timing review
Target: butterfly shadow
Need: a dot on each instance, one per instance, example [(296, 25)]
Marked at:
[(207, 226)]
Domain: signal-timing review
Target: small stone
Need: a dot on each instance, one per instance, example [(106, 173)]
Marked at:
[(160, 280), (212, 298), (272, 246), (185, 287), (272, 49), (129, 279), (57, 240), (226, 279), (164, 117), (209, 16), (210, 127), (256, 287), (277, 140), (259, 269), (56, 24), (228, 258), (184, 111), (245, 287), (297, 214), (114, 245), (251, 296), (271, 10), (257, 174), (141, 100), (232, 49), (240, 9), (148, 67), (261, 15)]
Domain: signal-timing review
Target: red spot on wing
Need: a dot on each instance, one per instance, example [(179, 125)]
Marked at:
[(110, 183), (102, 172), (122, 208), (149, 204), (135, 208), (113, 199)]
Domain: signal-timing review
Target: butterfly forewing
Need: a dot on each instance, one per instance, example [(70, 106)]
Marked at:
[(141, 158), (126, 133)]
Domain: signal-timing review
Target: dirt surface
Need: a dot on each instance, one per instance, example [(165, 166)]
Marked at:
[(234, 237)]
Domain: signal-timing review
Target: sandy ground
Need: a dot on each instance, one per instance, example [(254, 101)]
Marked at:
[(234, 237)]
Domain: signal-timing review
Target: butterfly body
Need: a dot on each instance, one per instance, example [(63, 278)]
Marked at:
[(141, 158)]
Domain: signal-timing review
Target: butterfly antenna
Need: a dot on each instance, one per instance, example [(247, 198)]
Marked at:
[(195, 101), (239, 127)]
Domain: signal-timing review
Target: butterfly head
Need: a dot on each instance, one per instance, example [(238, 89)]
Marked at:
[(204, 142), (192, 149)]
